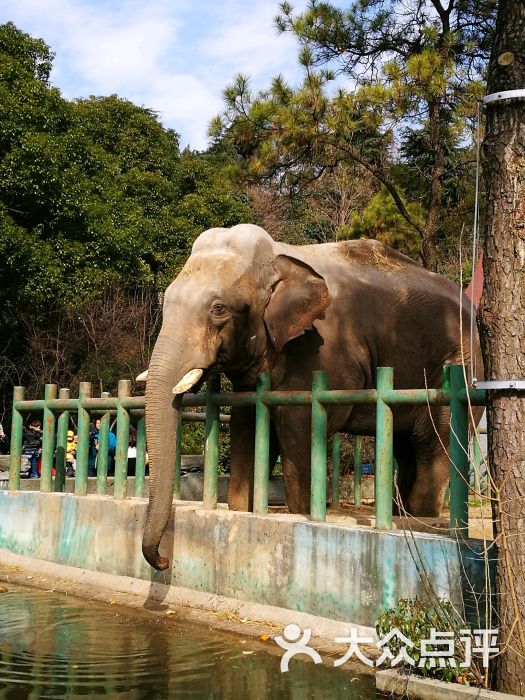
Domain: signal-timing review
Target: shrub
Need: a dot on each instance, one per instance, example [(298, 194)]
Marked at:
[(415, 619)]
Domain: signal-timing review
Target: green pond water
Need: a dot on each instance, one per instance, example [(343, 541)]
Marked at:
[(58, 646)]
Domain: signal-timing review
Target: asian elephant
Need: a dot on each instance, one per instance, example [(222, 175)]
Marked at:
[(244, 304)]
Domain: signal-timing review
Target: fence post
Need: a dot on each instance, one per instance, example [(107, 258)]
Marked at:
[(384, 481), (178, 459), (336, 468), (318, 455), (261, 470), (357, 469), (103, 449), (211, 444), (48, 440), (17, 439), (61, 453), (140, 462), (459, 460), (84, 392), (477, 462), (121, 456)]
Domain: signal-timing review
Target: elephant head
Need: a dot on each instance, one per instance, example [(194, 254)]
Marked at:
[(239, 296)]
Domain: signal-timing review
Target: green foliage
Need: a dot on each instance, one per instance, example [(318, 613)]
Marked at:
[(415, 619), (23, 56), (381, 220), (415, 74), (193, 443), (94, 195), (133, 135)]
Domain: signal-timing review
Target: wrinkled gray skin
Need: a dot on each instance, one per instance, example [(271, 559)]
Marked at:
[(243, 304)]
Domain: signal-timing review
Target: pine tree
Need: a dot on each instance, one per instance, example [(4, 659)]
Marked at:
[(416, 69)]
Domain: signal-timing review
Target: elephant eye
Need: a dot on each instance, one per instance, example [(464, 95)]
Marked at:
[(218, 310)]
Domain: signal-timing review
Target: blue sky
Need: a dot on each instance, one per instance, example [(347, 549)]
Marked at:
[(174, 56)]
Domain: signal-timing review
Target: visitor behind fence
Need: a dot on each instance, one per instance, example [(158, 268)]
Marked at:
[(94, 436), (32, 448), (4, 448), (71, 453)]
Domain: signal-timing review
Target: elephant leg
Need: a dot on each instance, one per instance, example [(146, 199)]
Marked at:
[(432, 471), (242, 446), (405, 457), (242, 450), (293, 431)]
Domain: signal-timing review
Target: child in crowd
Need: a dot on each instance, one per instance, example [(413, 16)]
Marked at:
[(71, 453), (32, 448)]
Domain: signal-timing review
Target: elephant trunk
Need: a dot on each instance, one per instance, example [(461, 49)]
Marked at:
[(162, 415)]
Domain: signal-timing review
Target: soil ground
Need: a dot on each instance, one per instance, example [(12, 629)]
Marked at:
[(346, 513)]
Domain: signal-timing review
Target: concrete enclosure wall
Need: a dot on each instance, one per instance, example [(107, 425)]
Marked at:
[(332, 570)]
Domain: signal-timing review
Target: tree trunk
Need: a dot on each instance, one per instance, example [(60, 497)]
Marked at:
[(503, 334), (435, 205)]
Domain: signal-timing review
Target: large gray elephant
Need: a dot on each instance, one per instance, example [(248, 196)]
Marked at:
[(244, 303)]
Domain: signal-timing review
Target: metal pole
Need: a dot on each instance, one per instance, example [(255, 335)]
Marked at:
[(61, 453), (357, 469), (459, 461), (103, 449), (140, 462), (384, 479), (121, 456), (261, 472), (17, 438), (319, 440), (211, 444), (178, 460), (84, 392), (336, 468), (48, 440)]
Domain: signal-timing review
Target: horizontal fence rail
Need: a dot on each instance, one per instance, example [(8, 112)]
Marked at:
[(56, 408)]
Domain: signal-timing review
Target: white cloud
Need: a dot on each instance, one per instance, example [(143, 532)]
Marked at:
[(170, 55), (184, 100), (247, 41), (120, 57)]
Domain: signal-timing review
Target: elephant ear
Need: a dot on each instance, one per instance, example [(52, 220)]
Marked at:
[(299, 297)]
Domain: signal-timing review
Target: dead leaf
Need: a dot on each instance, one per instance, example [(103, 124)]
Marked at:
[(247, 653), (264, 637)]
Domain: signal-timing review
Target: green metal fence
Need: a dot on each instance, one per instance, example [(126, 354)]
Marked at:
[(56, 411)]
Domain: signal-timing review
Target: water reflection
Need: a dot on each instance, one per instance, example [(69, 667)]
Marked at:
[(52, 646)]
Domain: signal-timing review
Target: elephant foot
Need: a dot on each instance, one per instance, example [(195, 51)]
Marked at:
[(433, 512), (421, 510), (299, 506), (239, 498)]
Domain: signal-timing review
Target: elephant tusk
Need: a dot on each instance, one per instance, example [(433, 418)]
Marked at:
[(188, 380), (142, 377)]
